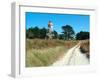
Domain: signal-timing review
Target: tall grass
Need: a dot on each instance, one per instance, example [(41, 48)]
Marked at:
[(44, 52), (41, 43), (44, 57)]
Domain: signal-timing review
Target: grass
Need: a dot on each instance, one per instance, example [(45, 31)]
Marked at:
[(85, 47), (41, 44), (44, 57), (45, 52)]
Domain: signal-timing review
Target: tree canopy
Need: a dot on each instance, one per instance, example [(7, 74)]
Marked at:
[(68, 32), (82, 35), (36, 32)]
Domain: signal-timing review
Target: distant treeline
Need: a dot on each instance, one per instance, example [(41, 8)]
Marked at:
[(68, 33)]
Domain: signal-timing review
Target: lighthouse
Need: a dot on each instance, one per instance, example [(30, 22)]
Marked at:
[(50, 30), (50, 26)]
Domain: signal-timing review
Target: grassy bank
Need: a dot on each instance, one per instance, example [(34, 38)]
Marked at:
[(85, 47), (44, 52)]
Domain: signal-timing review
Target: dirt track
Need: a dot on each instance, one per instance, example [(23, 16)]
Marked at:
[(72, 57)]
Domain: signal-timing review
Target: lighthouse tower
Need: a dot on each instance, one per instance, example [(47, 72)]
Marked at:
[(50, 29)]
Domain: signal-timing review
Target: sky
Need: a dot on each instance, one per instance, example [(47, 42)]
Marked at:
[(77, 21)]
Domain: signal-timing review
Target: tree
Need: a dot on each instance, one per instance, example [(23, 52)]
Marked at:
[(55, 34), (36, 32), (43, 33), (33, 33), (29, 33), (61, 36), (82, 35), (68, 32)]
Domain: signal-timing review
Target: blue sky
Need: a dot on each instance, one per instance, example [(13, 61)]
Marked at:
[(78, 22)]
